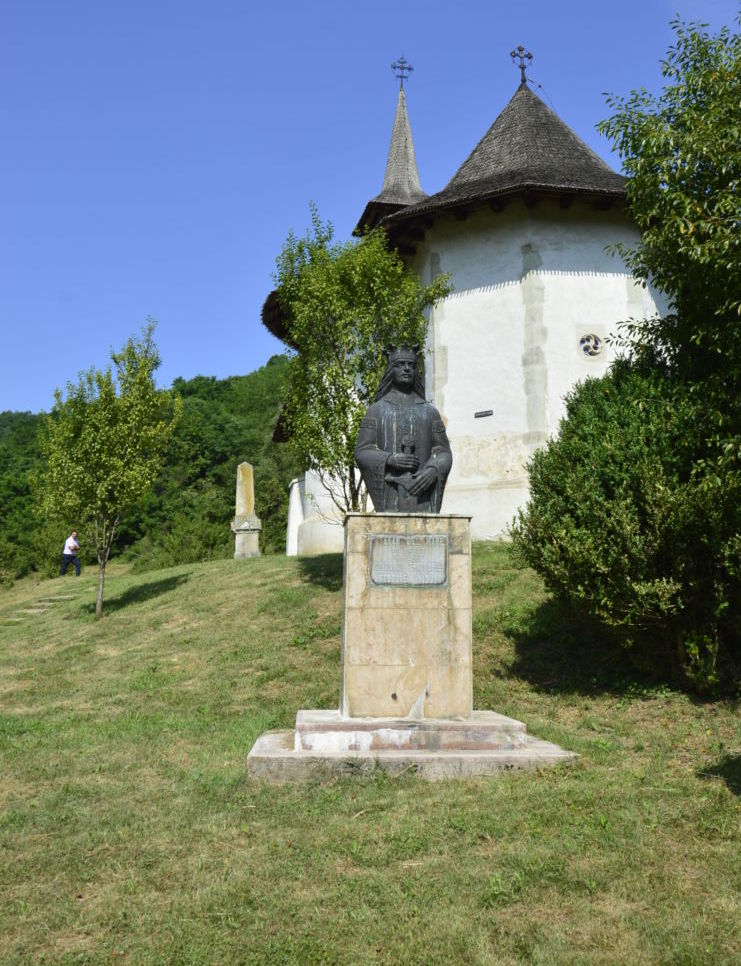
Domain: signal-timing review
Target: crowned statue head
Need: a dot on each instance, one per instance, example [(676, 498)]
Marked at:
[(403, 372)]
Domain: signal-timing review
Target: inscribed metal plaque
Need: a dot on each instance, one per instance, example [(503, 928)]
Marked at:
[(415, 561)]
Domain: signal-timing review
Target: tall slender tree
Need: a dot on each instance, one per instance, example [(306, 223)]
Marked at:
[(345, 304), (104, 443)]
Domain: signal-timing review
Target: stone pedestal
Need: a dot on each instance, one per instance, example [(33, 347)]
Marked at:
[(406, 639), (247, 541), (406, 692), (246, 526)]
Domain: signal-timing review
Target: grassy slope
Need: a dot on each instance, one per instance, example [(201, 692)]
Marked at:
[(129, 832)]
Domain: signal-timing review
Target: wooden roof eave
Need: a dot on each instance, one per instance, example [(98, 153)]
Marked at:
[(405, 229), (275, 320), (373, 214)]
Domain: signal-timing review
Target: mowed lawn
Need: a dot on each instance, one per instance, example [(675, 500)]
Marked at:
[(129, 832)]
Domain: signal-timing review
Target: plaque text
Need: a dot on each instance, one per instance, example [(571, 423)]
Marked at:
[(414, 561)]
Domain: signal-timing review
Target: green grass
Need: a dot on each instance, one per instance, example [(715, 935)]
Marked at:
[(129, 832)]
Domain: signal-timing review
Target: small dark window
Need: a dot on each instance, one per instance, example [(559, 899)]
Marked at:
[(591, 344)]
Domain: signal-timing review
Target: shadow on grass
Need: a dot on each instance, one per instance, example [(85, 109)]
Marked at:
[(729, 769), (138, 594), (558, 653), (324, 570)]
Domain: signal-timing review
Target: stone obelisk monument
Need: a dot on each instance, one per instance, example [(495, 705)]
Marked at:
[(246, 526)]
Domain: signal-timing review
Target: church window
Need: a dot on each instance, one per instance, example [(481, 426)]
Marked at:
[(590, 344)]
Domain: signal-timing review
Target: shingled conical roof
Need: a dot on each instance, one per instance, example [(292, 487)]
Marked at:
[(401, 185), (528, 149)]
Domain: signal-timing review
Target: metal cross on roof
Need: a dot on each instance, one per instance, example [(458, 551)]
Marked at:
[(525, 58), (402, 66)]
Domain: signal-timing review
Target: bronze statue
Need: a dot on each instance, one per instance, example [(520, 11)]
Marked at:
[(402, 448)]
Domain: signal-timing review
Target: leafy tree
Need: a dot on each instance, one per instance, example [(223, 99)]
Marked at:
[(635, 508), (345, 303), (104, 444), (681, 152)]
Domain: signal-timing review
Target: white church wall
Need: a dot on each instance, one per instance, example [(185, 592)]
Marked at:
[(314, 522), (295, 515), (530, 284)]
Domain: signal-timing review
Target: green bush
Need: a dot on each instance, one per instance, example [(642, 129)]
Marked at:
[(625, 526)]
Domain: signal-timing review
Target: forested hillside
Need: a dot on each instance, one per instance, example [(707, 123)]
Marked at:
[(187, 515), (19, 453)]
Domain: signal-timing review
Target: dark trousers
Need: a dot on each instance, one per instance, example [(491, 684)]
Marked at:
[(67, 559)]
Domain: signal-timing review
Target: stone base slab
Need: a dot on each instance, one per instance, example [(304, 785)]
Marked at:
[(274, 758), (330, 732)]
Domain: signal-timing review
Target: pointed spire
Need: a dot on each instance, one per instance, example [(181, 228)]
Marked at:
[(528, 145), (401, 182), (401, 185)]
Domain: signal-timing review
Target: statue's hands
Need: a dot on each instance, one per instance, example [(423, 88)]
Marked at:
[(423, 481), (403, 461)]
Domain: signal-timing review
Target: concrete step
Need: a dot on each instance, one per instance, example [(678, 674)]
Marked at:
[(329, 731), (278, 756)]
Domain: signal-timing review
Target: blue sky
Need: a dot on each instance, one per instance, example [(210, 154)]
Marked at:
[(154, 155)]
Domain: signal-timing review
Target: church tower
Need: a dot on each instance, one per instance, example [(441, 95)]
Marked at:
[(524, 229)]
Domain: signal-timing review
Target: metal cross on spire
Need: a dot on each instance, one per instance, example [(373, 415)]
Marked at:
[(525, 57), (404, 68)]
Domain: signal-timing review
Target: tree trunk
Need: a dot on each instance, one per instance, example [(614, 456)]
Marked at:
[(354, 504), (101, 578), (104, 542)]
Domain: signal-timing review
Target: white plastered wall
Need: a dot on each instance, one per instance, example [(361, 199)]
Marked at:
[(529, 284), (314, 522)]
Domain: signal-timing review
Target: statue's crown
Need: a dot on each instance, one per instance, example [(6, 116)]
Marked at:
[(405, 352)]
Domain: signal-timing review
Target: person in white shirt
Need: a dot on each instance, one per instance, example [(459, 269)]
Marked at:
[(69, 554)]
